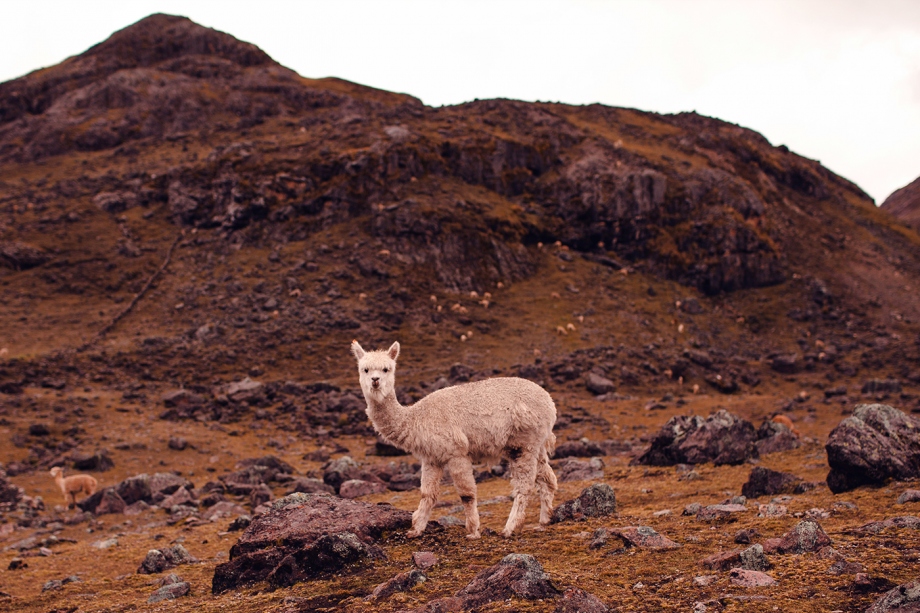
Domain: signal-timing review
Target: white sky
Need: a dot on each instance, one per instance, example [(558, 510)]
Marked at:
[(835, 80)]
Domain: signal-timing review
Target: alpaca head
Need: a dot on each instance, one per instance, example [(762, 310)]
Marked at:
[(376, 370), (55, 471)]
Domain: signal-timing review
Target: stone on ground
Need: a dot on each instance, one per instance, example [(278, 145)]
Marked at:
[(594, 501), (876, 443), (306, 535)]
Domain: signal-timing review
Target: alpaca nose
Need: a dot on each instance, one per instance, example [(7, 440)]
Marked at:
[(375, 379)]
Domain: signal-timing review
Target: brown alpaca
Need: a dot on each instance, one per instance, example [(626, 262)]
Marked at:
[(73, 485)]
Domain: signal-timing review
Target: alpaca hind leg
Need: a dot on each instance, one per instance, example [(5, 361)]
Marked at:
[(546, 486), (461, 471), (523, 474), (431, 489)]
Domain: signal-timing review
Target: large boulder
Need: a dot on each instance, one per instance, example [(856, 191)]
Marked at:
[(306, 535), (721, 438), (876, 443)]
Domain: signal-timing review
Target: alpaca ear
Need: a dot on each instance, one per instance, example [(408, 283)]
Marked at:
[(393, 351), (357, 350)]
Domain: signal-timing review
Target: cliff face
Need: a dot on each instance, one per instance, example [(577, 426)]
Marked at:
[(905, 204)]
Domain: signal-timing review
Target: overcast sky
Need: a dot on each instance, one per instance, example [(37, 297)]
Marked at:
[(835, 80)]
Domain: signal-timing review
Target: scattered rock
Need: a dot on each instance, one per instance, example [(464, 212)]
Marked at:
[(570, 469), (807, 535), (306, 485), (843, 567), (517, 575), (703, 581), (405, 482), (170, 591), (902, 599), (772, 510), (881, 386), (105, 543), (909, 496), (750, 578), (105, 501), (773, 437), (355, 488), (645, 537), (576, 600), (598, 385), (260, 495), (746, 536), (99, 461), (594, 501), (788, 364), (424, 560), (402, 582), (724, 560), (158, 560), (240, 523), (864, 583), (720, 512), (304, 535), (222, 510), (17, 564), (765, 482), (692, 509), (906, 521), (721, 438), (874, 444), (753, 558), (177, 443)]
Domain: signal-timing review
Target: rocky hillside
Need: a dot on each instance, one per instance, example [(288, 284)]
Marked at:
[(905, 204), (191, 235)]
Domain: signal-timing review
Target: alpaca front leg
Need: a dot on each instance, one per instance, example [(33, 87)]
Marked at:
[(431, 488), (461, 471)]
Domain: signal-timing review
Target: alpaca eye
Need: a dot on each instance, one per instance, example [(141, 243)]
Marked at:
[(365, 370), (385, 369)]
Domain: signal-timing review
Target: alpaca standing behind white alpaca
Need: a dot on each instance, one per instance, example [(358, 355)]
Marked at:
[(73, 485), (456, 426)]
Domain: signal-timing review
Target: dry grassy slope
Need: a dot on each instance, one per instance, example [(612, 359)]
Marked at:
[(368, 222), (905, 204)]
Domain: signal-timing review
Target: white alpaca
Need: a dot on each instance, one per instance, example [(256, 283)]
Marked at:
[(73, 485), (456, 426)]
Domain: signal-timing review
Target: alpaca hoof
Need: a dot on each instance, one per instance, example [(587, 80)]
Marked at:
[(412, 534), (473, 535), (507, 533)]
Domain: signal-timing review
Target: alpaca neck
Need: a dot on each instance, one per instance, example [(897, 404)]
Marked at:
[(60, 480), (388, 417)]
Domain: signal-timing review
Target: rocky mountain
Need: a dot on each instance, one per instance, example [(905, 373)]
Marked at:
[(191, 235), (905, 204)]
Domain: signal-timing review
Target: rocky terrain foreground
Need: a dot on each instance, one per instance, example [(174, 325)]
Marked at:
[(191, 235)]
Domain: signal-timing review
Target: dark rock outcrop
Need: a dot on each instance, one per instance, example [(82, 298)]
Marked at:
[(721, 438), (306, 535), (876, 443), (765, 482)]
